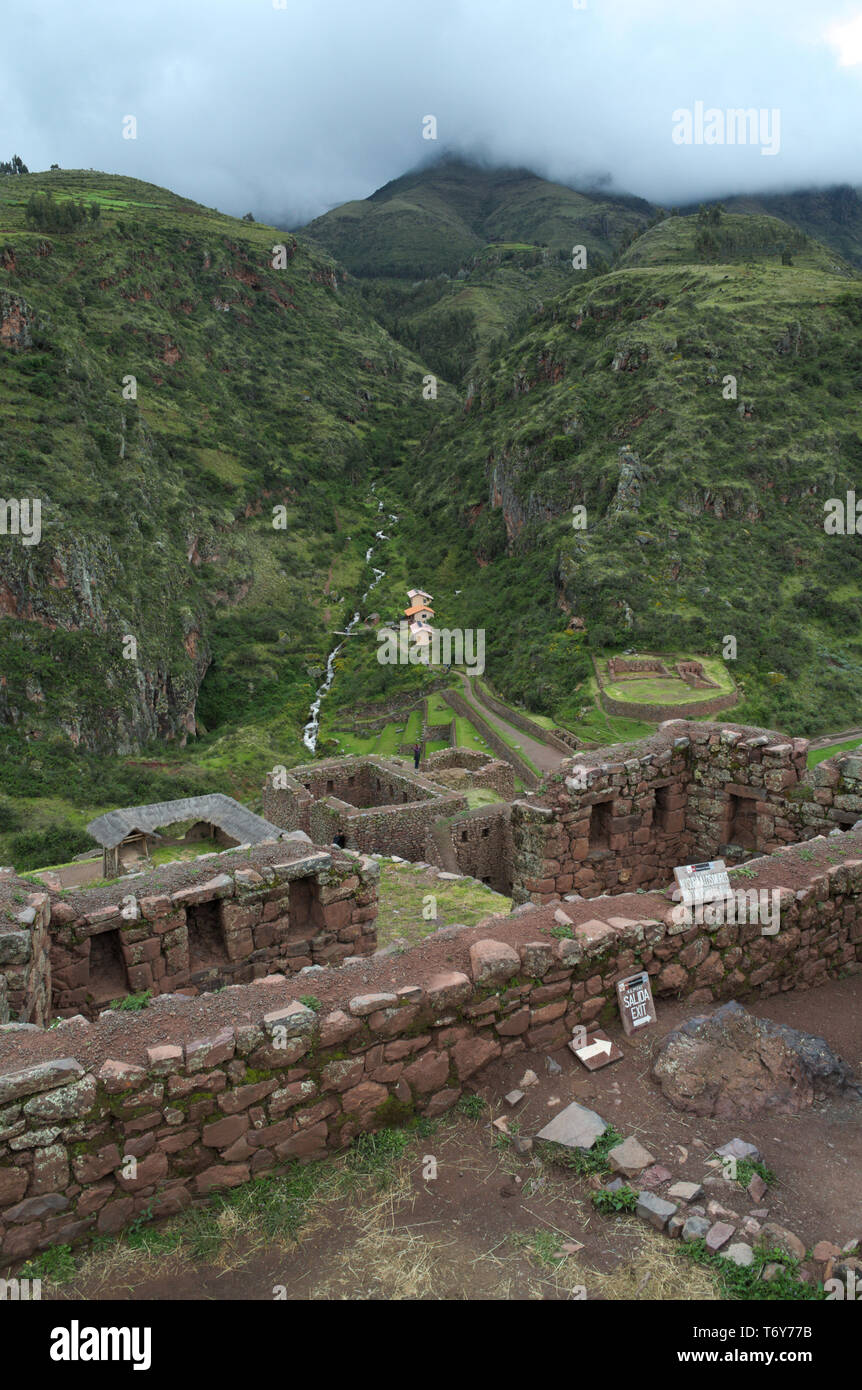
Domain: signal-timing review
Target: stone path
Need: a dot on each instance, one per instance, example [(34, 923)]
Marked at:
[(541, 755), (827, 740)]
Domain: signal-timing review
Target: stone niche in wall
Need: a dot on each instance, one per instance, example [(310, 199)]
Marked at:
[(617, 819), (189, 928)]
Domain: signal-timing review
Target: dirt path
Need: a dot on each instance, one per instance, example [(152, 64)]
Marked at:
[(541, 755), (827, 740)]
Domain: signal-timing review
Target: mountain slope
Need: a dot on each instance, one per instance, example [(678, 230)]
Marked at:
[(432, 220), (254, 387), (705, 515), (452, 257)]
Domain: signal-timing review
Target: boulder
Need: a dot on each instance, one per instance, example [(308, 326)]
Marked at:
[(731, 1064), (695, 1228), (740, 1253), (493, 962)]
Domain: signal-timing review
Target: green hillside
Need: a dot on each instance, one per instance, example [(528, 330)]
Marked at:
[(832, 215), (432, 220), (256, 388), (704, 514), (733, 238)]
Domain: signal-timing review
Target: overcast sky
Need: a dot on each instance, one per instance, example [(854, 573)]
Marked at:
[(285, 112)]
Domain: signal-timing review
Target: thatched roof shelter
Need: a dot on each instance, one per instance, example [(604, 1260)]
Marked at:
[(233, 819)]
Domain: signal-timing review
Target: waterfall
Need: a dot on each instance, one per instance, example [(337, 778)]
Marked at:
[(312, 729)]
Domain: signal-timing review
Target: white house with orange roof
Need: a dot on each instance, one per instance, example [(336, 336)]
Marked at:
[(419, 615), (420, 610)]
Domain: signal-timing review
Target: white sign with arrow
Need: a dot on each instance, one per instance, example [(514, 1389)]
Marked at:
[(594, 1051)]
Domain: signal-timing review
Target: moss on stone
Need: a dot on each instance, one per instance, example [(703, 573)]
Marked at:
[(394, 1113), (255, 1074)]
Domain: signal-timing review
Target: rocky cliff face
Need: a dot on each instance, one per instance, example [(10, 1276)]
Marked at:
[(505, 487), (16, 317)]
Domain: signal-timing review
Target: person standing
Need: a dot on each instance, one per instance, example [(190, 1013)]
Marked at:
[(417, 754)]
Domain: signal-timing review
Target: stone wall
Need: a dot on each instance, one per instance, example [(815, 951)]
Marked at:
[(692, 673), (182, 929), (519, 720), (479, 771), (398, 830), (491, 737), (632, 709), (481, 844), (25, 966), (691, 791), (253, 1079), (620, 667), (374, 717), (360, 781), (345, 798), (439, 733)]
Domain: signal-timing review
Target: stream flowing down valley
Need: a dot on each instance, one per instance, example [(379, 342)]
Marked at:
[(311, 732)]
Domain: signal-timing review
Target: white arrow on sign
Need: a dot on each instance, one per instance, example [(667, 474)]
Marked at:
[(595, 1049)]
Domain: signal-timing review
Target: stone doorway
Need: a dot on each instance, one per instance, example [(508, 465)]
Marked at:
[(304, 909), (108, 977), (206, 938)]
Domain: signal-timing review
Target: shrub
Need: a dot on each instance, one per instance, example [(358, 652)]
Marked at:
[(55, 845), (9, 817)]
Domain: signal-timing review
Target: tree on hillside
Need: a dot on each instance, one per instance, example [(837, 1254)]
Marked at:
[(247, 217), (45, 213), (15, 165)]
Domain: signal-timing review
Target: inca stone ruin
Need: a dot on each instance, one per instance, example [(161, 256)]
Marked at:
[(245, 1087)]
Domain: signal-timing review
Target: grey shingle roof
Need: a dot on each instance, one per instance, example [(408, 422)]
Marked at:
[(235, 820)]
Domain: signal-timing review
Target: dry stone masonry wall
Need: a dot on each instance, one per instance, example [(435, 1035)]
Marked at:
[(472, 769), (479, 844), (259, 1087), (691, 792), (369, 804), (289, 907)]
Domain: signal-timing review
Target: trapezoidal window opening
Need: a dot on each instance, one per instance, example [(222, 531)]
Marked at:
[(662, 807), (206, 937), (303, 906), (600, 824), (108, 977)]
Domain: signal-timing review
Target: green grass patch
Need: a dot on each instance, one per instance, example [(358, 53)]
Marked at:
[(412, 905), (819, 755), (582, 1161), (748, 1284)]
